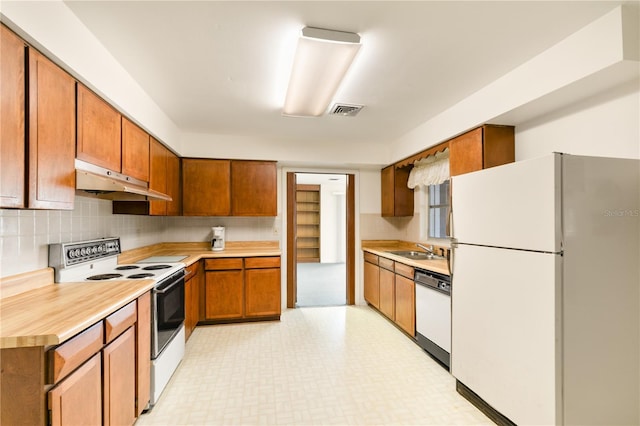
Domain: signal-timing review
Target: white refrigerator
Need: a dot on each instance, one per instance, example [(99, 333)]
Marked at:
[(545, 289)]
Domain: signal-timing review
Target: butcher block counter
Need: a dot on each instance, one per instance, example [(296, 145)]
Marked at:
[(54, 313), (198, 251), (49, 314), (382, 248)]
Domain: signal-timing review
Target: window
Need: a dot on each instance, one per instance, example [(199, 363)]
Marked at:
[(438, 210)]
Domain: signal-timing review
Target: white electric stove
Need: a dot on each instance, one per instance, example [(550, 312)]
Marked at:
[(97, 260)]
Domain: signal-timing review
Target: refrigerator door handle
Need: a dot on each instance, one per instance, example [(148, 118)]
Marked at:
[(454, 245)]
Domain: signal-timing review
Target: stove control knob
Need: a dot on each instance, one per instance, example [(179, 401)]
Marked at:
[(70, 254), (77, 252), (94, 249), (83, 251)]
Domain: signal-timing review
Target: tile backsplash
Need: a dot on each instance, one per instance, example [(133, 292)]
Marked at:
[(25, 234)]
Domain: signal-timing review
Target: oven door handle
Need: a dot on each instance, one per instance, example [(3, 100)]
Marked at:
[(166, 289)]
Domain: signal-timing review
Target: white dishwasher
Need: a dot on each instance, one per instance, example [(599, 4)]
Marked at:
[(433, 314)]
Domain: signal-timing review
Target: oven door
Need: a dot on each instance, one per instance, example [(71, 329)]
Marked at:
[(167, 311)]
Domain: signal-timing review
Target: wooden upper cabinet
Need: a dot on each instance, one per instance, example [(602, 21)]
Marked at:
[(135, 151), (253, 188), (158, 175), (12, 119), (174, 208), (397, 198), (206, 187), (52, 135), (481, 148), (99, 131)]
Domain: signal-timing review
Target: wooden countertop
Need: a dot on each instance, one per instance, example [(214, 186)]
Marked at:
[(52, 314), (49, 314), (382, 248), (198, 251)]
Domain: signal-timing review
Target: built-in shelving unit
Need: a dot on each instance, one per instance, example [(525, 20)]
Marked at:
[(308, 223)]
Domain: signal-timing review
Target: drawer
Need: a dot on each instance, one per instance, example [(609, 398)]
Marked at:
[(386, 263), (262, 262), (404, 270), (370, 257), (223, 264), (66, 357), (119, 321), (191, 271)]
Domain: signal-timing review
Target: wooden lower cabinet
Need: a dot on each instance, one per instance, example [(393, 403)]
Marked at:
[(143, 353), (389, 287), (262, 292), (405, 304), (90, 379), (372, 283), (192, 298), (224, 294), (77, 400), (242, 289), (387, 293), (119, 380)]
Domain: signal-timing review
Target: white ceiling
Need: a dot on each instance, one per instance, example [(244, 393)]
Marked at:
[(221, 67)]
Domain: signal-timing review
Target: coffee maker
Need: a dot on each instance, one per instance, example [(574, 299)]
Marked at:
[(217, 240)]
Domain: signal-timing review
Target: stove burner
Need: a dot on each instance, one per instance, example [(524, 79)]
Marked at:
[(126, 267), (156, 267), (101, 277), (137, 276)]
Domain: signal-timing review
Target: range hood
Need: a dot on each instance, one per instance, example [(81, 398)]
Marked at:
[(110, 185)]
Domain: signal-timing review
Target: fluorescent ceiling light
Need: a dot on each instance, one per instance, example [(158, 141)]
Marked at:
[(321, 62)]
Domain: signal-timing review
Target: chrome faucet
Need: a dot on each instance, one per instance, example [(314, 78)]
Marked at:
[(427, 249)]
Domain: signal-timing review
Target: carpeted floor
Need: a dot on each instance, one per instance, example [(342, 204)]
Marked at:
[(321, 284)]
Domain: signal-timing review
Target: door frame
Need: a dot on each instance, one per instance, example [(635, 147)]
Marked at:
[(292, 263)]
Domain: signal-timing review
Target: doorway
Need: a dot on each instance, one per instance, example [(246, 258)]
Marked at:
[(320, 239)]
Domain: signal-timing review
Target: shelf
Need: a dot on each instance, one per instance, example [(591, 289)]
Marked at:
[(308, 223)]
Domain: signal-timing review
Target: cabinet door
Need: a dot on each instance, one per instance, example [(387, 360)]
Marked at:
[(77, 400), (52, 135), (397, 198), (135, 151), (372, 284), (387, 293), (173, 184), (12, 120), (387, 188), (158, 176), (262, 292), (206, 187), (405, 304), (99, 131), (192, 299), (253, 188), (465, 153), (119, 373), (143, 353), (224, 294)]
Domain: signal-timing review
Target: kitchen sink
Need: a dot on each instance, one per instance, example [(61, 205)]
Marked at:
[(416, 255)]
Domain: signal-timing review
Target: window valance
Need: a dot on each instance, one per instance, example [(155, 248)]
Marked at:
[(432, 170)]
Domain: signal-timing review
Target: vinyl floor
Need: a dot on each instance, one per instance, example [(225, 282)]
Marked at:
[(343, 365)]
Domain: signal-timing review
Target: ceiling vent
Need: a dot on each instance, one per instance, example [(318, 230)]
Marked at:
[(345, 110)]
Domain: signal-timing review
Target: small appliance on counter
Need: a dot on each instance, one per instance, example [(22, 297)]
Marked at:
[(217, 240)]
